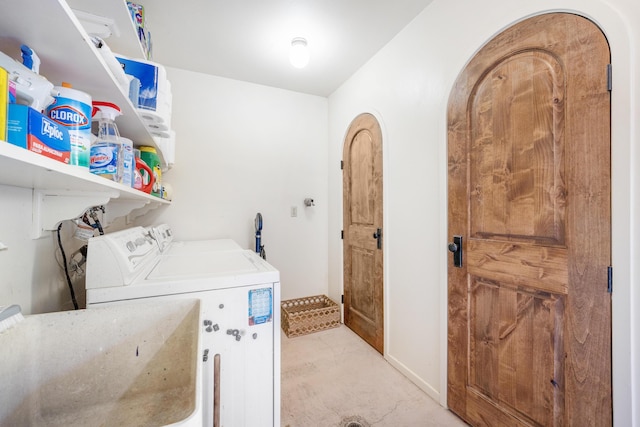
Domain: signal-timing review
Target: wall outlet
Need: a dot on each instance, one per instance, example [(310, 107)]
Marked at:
[(294, 211)]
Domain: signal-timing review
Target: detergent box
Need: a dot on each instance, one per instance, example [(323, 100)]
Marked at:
[(27, 128), (139, 21), (4, 101)]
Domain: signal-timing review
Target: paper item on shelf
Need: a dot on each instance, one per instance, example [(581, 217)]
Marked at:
[(156, 127), (153, 82), (159, 133), (139, 21), (154, 117), (157, 124), (112, 63), (167, 146), (4, 101)]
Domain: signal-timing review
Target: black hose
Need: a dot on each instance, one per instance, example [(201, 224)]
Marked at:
[(66, 271)]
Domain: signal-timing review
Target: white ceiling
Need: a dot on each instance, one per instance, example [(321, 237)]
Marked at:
[(249, 40)]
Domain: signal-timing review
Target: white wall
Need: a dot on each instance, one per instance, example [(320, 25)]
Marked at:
[(243, 148), (406, 85), (29, 275)]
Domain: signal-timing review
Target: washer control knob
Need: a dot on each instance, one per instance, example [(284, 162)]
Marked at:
[(131, 246)]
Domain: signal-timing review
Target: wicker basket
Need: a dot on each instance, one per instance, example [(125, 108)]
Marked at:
[(310, 314)]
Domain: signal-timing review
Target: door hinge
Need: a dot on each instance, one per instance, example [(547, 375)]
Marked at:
[(342, 234), (341, 164), (342, 299), (609, 77), (610, 279)]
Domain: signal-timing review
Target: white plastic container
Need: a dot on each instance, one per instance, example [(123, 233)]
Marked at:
[(72, 109), (128, 161)]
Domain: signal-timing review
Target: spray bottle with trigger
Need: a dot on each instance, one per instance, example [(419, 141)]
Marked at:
[(30, 59), (106, 151)]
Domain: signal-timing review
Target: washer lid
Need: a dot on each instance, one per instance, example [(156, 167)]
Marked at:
[(208, 265), (184, 247), (184, 274)]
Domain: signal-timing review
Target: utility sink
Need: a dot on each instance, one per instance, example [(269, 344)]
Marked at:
[(121, 365)]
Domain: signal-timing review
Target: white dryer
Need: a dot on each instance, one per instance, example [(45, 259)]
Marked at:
[(240, 300)]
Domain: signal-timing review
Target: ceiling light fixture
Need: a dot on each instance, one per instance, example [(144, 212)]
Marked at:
[(299, 54)]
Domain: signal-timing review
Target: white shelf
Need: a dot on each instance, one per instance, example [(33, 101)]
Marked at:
[(67, 54), (62, 191), (23, 168)]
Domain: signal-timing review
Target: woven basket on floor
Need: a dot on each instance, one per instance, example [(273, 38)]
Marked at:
[(310, 314)]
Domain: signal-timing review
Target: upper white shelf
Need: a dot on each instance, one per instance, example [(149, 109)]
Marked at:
[(127, 42), (68, 55)]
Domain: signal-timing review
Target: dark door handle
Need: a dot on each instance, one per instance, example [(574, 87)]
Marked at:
[(378, 235), (455, 247)]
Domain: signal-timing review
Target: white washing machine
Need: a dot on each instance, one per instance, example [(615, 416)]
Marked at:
[(240, 302), (163, 235)]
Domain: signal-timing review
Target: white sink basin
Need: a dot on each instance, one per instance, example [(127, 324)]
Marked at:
[(120, 365)]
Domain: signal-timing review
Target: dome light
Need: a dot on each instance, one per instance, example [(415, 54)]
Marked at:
[(299, 54)]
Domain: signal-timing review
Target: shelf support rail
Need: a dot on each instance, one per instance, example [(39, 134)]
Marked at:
[(51, 207)]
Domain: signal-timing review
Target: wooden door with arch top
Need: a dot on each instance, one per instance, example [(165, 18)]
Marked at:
[(362, 222), (529, 332)]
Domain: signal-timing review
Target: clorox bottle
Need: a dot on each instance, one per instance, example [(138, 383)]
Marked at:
[(72, 109), (106, 151)]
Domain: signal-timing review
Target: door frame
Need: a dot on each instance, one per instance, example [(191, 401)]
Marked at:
[(625, 110), (385, 222)]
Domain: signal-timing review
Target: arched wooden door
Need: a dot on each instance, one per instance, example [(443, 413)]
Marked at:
[(529, 333), (362, 222)]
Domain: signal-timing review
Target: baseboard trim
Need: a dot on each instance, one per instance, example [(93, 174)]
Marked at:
[(414, 378)]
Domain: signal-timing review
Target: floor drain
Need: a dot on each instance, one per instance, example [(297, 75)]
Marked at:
[(355, 421)]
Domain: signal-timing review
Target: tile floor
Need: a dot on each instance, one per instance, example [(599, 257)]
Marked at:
[(333, 378)]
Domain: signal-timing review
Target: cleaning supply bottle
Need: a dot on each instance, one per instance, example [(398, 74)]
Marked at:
[(151, 158), (72, 109), (106, 151), (128, 162)]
